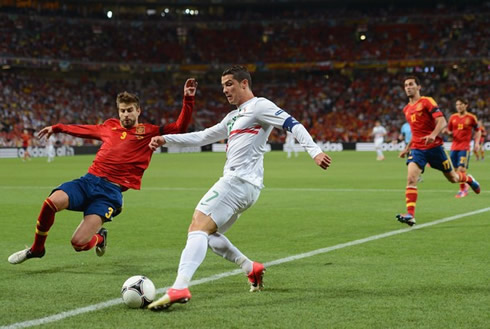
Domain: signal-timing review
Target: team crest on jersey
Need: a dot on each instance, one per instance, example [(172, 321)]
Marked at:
[(140, 130), (419, 107)]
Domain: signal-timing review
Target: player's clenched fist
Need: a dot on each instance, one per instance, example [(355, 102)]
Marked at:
[(190, 87), (156, 142)]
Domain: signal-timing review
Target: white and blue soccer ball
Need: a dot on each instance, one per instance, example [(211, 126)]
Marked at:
[(138, 291)]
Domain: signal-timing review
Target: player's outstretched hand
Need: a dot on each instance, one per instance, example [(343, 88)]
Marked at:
[(190, 87), (403, 153), (429, 139), (323, 160), (46, 131), (156, 142)]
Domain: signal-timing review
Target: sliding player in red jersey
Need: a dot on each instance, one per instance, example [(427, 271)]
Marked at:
[(480, 154), (118, 166), (426, 122), (461, 126)]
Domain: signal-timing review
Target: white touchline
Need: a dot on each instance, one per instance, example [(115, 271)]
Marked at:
[(112, 302)]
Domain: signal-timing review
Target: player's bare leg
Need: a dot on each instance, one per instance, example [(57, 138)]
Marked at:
[(462, 177), (90, 234)]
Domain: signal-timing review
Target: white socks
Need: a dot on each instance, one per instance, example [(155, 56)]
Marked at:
[(220, 245), (192, 257)]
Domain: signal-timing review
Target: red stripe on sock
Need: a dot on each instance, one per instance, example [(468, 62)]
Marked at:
[(44, 222), (96, 239), (411, 199)]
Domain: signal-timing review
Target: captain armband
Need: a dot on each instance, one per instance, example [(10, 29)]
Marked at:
[(289, 124)]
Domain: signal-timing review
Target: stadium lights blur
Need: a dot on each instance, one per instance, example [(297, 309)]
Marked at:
[(109, 14), (191, 12), (362, 37), (151, 12)]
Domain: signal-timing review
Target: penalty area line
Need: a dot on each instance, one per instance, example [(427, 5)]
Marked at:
[(117, 301)]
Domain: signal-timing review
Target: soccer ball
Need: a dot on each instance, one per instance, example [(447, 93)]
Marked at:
[(138, 291)]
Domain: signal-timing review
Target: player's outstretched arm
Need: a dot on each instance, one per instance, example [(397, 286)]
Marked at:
[(323, 160), (156, 142), (46, 131), (185, 116)]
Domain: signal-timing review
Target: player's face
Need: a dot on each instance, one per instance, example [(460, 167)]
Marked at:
[(233, 89), (461, 107), (411, 88), (128, 115)]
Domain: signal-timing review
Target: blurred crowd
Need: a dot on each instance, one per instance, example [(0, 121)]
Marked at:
[(449, 48), (334, 106), (314, 35)]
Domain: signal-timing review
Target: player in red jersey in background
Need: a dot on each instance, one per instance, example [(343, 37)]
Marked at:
[(426, 122), (118, 166), (26, 142), (461, 126), (480, 154)]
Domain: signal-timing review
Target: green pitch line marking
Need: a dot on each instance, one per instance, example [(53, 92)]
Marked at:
[(112, 302)]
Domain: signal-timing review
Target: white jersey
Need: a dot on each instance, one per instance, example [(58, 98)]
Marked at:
[(379, 132), (247, 130)]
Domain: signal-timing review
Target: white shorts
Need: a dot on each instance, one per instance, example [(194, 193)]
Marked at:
[(226, 200), (378, 142)]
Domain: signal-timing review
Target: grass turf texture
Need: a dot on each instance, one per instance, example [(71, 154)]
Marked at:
[(435, 277)]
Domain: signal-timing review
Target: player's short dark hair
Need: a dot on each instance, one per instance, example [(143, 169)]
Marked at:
[(462, 100), (127, 98), (239, 73), (412, 77)]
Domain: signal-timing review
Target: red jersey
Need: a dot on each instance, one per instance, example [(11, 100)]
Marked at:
[(421, 117), (26, 139), (462, 127), (483, 134), (124, 154)]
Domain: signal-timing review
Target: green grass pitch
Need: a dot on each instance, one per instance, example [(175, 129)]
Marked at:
[(433, 277)]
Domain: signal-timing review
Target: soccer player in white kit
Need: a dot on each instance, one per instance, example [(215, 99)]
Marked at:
[(50, 150), (379, 133), (247, 129)]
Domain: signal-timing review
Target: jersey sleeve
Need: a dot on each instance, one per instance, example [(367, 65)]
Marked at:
[(184, 119), (476, 126), (83, 131), (207, 136), (432, 107), (450, 123), (270, 113)]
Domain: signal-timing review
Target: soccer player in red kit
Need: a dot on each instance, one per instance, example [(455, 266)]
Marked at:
[(26, 142), (483, 134), (118, 166), (426, 122), (461, 126)]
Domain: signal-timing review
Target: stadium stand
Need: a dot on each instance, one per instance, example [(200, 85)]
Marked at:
[(335, 69)]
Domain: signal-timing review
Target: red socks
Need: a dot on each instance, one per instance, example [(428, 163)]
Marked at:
[(463, 178), (44, 223), (411, 199), (96, 239)]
